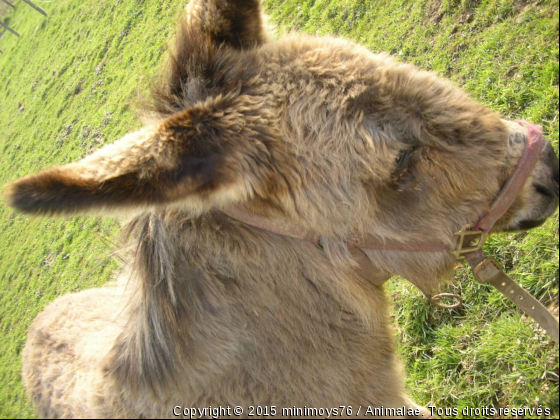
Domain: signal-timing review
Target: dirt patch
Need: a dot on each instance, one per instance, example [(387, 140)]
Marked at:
[(63, 135)]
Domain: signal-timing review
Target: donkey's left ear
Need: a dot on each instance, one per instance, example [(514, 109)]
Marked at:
[(201, 156)]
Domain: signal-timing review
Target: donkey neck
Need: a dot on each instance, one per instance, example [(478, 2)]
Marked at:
[(219, 299)]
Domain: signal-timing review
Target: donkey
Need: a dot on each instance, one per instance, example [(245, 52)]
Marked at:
[(315, 134)]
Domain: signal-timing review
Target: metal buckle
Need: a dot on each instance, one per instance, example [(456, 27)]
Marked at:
[(487, 270), (468, 241)]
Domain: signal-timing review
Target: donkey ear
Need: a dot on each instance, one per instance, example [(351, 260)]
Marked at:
[(236, 23), (195, 157)]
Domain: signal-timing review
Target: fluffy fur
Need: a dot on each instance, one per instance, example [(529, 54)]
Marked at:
[(307, 130)]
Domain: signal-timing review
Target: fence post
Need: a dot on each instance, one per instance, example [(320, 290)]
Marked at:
[(8, 28), (8, 3), (36, 7)]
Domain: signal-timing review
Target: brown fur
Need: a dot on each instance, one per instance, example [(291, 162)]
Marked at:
[(304, 129)]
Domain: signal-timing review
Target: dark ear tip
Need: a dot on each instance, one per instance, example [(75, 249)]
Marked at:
[(42, 193), (61, 191), (22, 195)]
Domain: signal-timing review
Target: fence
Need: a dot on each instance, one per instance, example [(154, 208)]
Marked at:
[(11, 5)]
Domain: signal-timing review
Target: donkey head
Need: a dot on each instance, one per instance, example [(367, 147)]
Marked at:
[(319, 132), (539, 198)]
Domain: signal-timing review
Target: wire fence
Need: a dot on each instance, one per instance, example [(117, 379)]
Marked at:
[(8, 5)]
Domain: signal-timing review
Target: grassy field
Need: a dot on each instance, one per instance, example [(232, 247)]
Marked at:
[(69, 85)]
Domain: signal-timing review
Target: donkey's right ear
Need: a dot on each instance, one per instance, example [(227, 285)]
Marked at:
[(200, 157), (235, 23)]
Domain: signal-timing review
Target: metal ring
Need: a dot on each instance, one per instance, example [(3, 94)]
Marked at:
[(434, 300)]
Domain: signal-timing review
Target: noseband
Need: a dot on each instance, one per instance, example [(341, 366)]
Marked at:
[(468, 241)]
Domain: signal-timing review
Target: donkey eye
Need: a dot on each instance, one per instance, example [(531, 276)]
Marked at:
[(402, 162)]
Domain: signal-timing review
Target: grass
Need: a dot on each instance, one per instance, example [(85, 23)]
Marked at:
[(68, 86)]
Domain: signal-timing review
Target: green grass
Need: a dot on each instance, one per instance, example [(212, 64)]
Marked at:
[(68, 85)]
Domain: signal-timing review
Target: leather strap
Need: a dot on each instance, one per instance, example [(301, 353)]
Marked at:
[(489, 271), (366, 269), (275, 226), (374, 242)]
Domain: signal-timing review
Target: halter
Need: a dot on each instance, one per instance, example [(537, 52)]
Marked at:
[(468, 241)]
